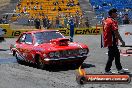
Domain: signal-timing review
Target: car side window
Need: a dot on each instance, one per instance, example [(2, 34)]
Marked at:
[(28, 39), (22, 38)]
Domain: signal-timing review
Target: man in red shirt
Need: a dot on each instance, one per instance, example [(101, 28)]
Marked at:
[(110, 37)]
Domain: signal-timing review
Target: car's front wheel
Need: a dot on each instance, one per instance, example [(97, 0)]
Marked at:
[(18, 60), (40, 64)]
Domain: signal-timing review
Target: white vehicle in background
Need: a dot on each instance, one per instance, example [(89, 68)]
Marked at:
[(2, 34)]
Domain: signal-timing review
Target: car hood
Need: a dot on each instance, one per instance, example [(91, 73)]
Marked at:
[(54, 47)]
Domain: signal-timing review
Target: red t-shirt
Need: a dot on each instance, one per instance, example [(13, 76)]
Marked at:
[(109, 26)]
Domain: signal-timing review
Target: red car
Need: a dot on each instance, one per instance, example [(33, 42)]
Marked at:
[(45, 47)]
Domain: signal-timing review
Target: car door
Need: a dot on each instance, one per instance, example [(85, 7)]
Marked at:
[(28, 47), (19, 47)]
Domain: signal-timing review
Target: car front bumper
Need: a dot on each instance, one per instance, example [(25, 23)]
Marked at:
[(69, 60)]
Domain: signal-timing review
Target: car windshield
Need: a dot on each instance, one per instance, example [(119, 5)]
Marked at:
[(45, 37)]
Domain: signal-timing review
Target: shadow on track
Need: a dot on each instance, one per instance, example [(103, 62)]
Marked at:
[(57, 68), (68, 67), (4, 49), (84, 65)]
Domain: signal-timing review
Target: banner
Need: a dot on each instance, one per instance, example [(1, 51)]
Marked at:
[(82, 31), (65, 31), (12, 33)]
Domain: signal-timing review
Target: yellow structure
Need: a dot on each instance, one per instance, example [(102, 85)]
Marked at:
[(38, 8), (78, 31)]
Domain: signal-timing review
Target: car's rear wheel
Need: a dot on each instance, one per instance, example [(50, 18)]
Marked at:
[(40, 64)]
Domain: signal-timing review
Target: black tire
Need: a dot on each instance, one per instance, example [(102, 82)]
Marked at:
[(14, 53), (18, 60), (40, 65)]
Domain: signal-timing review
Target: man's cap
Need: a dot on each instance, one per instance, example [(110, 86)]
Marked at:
[(112, 11)]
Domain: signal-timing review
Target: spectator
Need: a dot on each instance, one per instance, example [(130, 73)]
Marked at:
[(24, 9), (35, 7), (54, 3), (65, 21), (70, 3), (76, 21), (62, 1), (46, 22), (29, 7), (71, 23), (126, 19), (77, 13), (59, 9), (41, 7), (54, 9), (78, 4), (19, 6), (4, 20), (37, 23), (110, 37), (31, 21), (37, 2), (81, 20), (27, 3), (119, 19), (87, 22), (42, 14), (57, 22), (32, 2), (104, 4)]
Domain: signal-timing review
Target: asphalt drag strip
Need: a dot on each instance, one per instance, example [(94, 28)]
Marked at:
[(26, 75)]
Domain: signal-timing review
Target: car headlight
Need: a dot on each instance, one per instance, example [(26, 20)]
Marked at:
[(85, 51), (80, 51), (57, 54), (51, 54)]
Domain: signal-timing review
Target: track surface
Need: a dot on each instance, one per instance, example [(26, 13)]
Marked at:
[(14, 75)]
